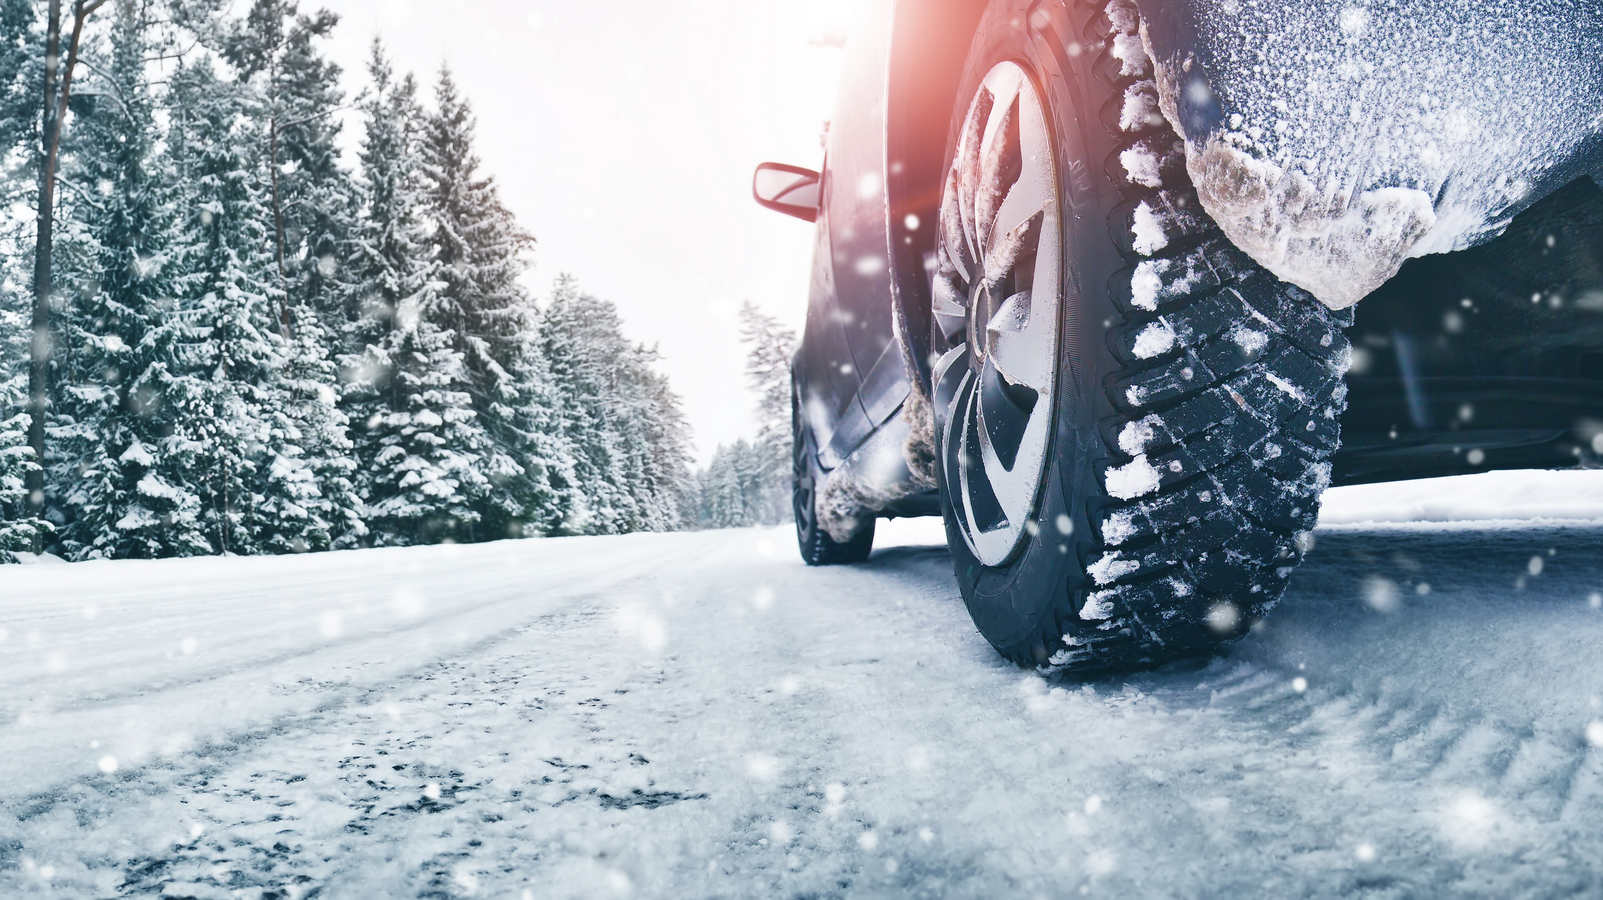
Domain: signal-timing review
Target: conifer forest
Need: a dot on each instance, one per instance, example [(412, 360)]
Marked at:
[(221, 335)]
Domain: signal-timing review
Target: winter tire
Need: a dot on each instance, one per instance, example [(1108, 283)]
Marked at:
[(817, 547), (1134, 421)]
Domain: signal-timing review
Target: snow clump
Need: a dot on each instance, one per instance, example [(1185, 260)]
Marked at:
[(1118, 528), (1251, 342), (1131, 55), (1141, 166), (1135, 436), (1111, 567), (1140, 108), (1146, 283), (1125, 18), (1154, 340), (1147, 227), (1098, 606), (1133, 479)]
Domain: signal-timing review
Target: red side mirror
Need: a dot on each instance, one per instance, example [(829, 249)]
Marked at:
[(791, 190)]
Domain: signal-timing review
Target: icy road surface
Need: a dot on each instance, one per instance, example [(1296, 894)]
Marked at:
[(699, 715)]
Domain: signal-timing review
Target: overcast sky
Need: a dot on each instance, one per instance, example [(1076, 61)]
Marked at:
[(623, 134)]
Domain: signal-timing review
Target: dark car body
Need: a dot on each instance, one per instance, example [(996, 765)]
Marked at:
[(1489, 357)]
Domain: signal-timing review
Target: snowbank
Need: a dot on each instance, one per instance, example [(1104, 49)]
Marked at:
[(1528, 498)]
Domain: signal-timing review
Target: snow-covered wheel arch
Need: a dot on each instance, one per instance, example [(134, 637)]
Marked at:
[(1333, 140)]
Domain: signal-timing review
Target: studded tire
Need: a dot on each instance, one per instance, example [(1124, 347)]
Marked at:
[(1197, 398)]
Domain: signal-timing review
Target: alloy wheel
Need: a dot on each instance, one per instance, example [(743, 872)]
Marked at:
[(996, 297)]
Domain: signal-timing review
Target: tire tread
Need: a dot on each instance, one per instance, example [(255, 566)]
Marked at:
[(1240, 415)]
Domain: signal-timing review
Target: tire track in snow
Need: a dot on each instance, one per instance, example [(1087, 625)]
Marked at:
[(1490, 752)]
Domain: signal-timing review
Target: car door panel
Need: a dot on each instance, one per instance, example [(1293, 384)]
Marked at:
[(828, 374)]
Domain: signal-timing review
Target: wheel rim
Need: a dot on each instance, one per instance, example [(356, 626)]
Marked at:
[(995, 299)]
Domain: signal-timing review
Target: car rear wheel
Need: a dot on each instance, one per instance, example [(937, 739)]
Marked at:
[(1134, 421), (816, 546)]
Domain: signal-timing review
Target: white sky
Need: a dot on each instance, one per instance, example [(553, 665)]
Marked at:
[(623, 134)]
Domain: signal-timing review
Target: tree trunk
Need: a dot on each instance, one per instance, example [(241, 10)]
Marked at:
[(39, 349), (278, 208)]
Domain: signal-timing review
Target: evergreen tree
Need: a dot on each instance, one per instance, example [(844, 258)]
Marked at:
[(723, 500), (17, 529), (578, 330), (13, 338), (478, 247), (419, 443), (229, 307), (656, 432), (627, 433), (315, 205), (313, 199), (735, 488), (479, 251), (21, 72), (524, 413), (307, 498), (119, 217), (769, 346)]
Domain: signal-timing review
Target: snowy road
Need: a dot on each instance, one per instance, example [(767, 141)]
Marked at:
[(699, 715)]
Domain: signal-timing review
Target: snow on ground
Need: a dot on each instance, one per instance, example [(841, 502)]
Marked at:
[(699, 715), (1529, 497)]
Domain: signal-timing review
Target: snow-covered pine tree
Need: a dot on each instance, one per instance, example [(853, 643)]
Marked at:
[(313, 199), (578, 334), (769, 346), (657, 437), (17, 530), (13, 337), (306, 496), (734, 489), (674, 454), (479, 252), (229, 309), (21, 73), (20, 77), (723, 503), (17, 527), (526, 418), (418, 441), (20, 68), (630, 441), (116, 281)]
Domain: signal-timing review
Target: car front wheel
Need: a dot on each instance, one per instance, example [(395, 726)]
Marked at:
[(1134, 421)]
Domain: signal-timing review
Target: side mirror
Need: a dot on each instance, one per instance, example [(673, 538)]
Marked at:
[(791, 190)]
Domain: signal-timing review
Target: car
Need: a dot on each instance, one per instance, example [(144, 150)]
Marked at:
[(1087, 275)]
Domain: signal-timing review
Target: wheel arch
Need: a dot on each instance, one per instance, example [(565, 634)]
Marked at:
[(929, 42)]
